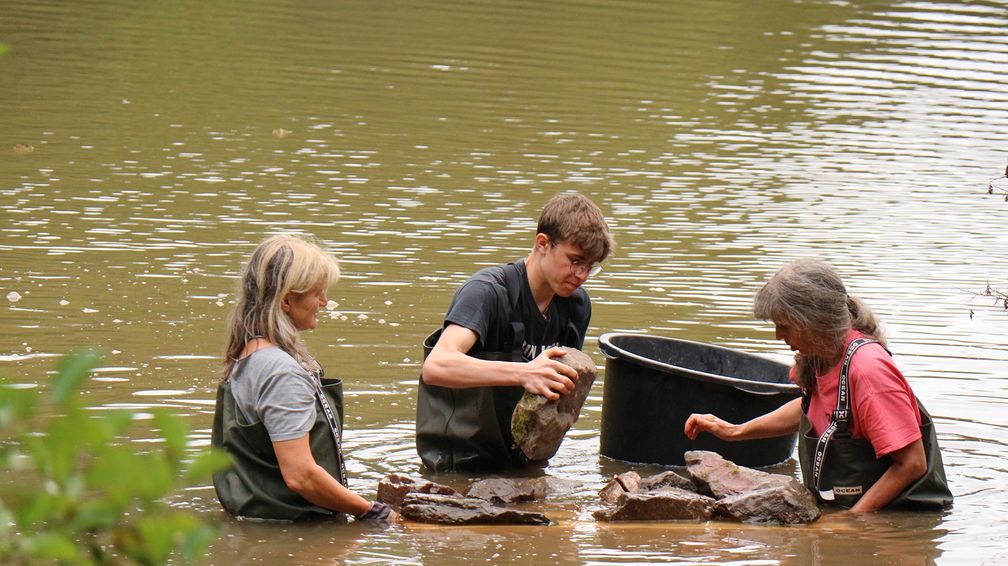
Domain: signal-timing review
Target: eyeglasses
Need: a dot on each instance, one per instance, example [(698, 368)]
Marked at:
[(581, 268)]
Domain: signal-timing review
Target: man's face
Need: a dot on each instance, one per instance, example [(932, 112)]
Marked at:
[(565, 267)]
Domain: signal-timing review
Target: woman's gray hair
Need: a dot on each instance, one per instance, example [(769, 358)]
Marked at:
[(281, 266), (808, 295)]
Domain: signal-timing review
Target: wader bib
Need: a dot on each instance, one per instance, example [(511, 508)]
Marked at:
[(839, 469), (253, 486), (469, 429)]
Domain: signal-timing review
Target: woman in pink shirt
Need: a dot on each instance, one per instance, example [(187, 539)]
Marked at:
[(859, 419)]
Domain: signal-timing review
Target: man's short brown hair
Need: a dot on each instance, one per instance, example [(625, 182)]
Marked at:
[(573, 218)]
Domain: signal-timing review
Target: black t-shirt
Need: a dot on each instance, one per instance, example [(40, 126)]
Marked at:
[(476, 306)]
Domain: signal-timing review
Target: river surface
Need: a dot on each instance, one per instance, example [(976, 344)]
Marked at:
[(146, 147)]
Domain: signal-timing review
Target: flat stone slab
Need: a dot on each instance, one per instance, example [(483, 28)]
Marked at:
[(724, 478), (501, 491), (670, 504), (539, 425), (394, 488), (457, 510)]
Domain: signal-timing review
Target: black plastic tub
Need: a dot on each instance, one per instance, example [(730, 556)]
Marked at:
[(653, 384)]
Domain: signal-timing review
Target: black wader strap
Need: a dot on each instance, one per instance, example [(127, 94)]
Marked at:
[(337, 430), (841, 418)]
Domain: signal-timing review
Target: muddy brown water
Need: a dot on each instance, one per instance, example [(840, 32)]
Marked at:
[(157, 143)]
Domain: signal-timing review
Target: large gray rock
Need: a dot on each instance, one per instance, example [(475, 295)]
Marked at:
[(393, 489), (751, 495), (500, 491), (456, 510), (538, 424), (670, 504), (790, 504), (724, 478)]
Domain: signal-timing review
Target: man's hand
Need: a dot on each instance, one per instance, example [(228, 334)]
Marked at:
[(548, 377)]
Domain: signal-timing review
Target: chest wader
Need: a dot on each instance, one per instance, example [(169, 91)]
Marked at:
[(839, 469), (469, 429), (253, 486)]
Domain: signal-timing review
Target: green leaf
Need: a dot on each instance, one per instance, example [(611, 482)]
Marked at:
[(206, 464), (16, 405), (195, 542), (52, 546), (3, 49), (174, 431), (71, 372)]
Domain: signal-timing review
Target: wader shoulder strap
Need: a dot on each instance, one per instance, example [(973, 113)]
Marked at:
[(840, 423), (513, 283), (334, 425)]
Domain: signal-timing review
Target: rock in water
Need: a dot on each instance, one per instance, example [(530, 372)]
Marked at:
[(725, 478), (454, 510), (501, 491), (670, 504), (750, 495), (394, 488), (538, 424), (788, 504)]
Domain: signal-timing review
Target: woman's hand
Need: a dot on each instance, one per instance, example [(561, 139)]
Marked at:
[(697, 423)]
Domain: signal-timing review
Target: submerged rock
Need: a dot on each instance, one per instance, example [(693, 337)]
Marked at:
[(788, 504), (394, 488), (751, 495), (501, 491), (670, 504), (456, 510), (538, 424)]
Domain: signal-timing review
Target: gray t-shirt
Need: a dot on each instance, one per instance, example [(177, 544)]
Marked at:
[(270, 387)]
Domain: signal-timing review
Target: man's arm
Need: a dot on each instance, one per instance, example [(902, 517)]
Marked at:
[(449, 366)]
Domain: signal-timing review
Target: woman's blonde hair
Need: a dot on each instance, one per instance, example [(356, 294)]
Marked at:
[(808, 295), (281, 265)]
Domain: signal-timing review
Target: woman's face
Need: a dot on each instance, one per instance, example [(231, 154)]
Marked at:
[(302, 309), (798, 339)]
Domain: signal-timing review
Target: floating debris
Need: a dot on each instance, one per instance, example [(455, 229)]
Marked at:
[(64, 302), (13, 296), (23, 149), (280, 133)]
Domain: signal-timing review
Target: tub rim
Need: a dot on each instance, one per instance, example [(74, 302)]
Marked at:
[(612, 351)]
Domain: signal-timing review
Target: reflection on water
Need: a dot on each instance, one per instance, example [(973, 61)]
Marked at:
[(420, 141)]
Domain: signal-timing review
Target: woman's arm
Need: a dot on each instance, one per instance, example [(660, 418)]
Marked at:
[(780, 422), (309, 480), (909, 464)]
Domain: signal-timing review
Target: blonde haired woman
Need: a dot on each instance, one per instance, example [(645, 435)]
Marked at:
[(276, 413)]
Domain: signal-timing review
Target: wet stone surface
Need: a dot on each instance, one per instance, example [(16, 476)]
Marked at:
[(538, 424)]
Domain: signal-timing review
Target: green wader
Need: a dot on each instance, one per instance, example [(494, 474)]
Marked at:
[(839, 469), (254, 487)]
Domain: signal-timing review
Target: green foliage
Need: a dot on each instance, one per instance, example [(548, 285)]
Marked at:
[(76, 493), (3, 49)]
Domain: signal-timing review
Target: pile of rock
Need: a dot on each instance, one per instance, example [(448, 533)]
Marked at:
[(483, 503), (716, 488)]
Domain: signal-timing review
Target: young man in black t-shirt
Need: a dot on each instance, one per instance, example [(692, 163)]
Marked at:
[(503, 329)]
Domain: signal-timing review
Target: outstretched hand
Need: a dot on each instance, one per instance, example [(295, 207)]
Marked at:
[(548, 377), (697, 423)]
